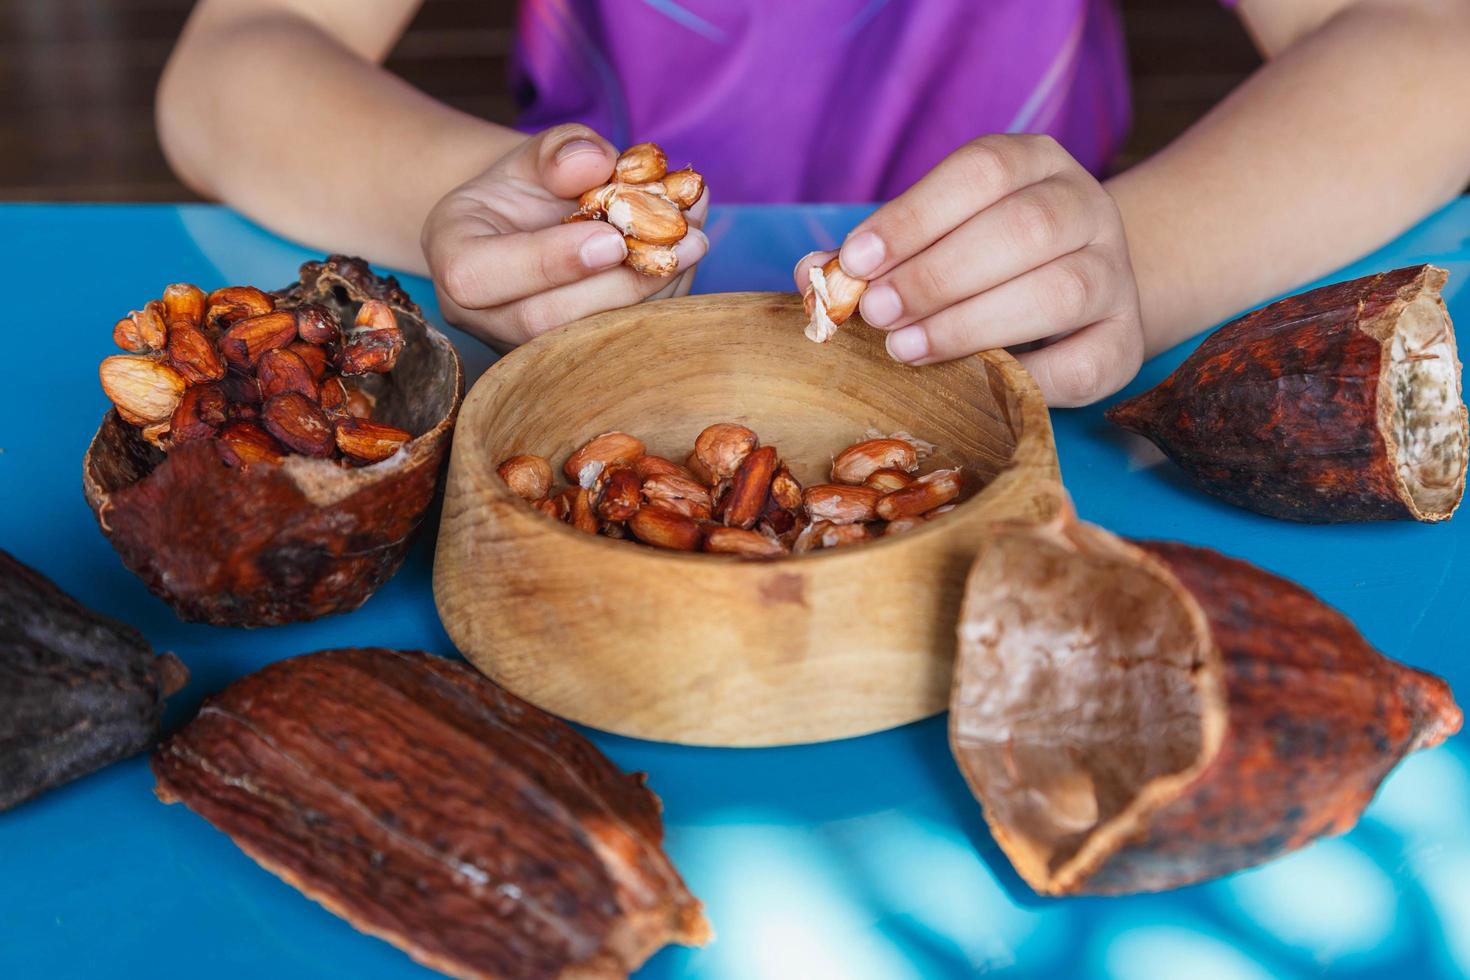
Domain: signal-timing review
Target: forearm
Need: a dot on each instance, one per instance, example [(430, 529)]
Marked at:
[(295, 129), (1341, 142)]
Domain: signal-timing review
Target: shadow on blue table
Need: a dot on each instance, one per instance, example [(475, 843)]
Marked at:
[(865, 858)]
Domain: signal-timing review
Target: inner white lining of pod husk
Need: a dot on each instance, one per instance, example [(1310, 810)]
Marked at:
[(1427, 414), (1088, 695)]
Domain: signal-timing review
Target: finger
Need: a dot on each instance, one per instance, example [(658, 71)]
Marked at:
[(480, 270), (613, 289), (1072, 291), (565, 160), (1091, 364), (803, 271), (967, 181), (1020, 232)]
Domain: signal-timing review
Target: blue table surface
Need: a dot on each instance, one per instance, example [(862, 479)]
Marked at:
[(864, 858)]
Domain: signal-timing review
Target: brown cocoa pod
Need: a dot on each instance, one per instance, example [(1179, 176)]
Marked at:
[(1339, 404), (750, 488), (478, 834), (299, 424), (283, 370), (78, 691), (1137, 716)]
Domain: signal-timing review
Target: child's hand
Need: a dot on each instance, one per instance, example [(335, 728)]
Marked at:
[(506, 269), (1007, 241)]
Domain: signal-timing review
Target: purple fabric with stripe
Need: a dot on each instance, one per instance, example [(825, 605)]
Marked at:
[(824, 100)]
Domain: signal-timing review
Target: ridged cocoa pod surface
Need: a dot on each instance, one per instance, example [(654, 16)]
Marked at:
[(78, 691), (426, 806), (1140, 716), (266, 543), (1340, 404)]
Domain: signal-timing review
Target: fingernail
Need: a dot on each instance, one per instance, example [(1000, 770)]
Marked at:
[(577, 148), (602, 251), (862, 254), (799, 262), (909, 344), (691, 248), (881, 305)]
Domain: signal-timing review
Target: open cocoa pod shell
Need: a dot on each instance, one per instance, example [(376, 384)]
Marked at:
[(1340, 404), (425, 805), (267, 543), (1137, 716)]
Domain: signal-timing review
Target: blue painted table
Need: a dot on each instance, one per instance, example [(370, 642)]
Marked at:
[(864, 858)]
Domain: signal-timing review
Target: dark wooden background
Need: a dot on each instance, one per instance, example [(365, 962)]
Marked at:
[(77, 79)]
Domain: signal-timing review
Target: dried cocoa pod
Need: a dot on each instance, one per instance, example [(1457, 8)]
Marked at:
[(480, 835), (78, 691), (1141, 716), (1339, 404)]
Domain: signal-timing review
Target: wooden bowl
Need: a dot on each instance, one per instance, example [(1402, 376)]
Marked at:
[(704, 649)]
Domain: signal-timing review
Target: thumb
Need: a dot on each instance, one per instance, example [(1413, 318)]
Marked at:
[(564, 160)]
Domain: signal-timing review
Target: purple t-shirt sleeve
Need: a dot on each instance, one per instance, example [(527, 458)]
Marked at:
[(837, 100)]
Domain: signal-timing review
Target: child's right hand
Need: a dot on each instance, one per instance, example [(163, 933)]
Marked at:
[(506, 269)]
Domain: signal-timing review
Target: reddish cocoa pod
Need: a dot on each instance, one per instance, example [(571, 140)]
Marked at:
[(201, 412), (560, 872), (622, 495), (260, 545), (1141, 716), (1340, 404), (750, 488)]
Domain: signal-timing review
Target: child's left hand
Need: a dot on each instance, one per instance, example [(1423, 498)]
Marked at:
[(1007, 241)]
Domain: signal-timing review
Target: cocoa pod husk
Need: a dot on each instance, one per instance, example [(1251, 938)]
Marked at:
[(1339, 404), (78, 691), (478, 834), (1138, 716), (257, 544)]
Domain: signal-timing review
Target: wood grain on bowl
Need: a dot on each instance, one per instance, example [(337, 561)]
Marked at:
[(707, 649)]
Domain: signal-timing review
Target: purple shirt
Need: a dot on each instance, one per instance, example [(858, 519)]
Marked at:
[(824, 100)]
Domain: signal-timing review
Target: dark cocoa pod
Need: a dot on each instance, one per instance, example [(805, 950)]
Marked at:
[(426, 806), (78, 691), (1340, 404), (1141, 716), (257, 545)]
